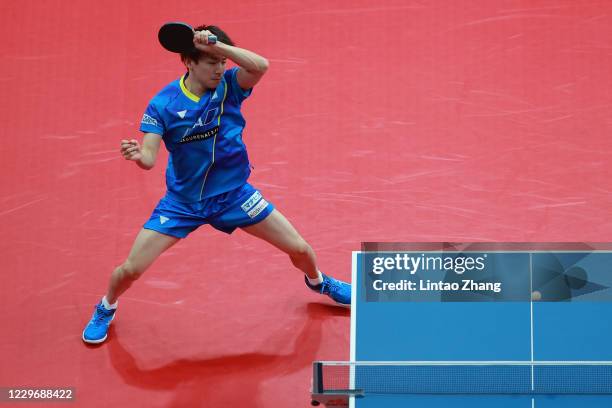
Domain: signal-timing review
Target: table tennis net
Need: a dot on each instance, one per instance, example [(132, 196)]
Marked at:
[(362, 378)]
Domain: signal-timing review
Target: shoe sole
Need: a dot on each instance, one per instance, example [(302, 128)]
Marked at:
[(93, 341), (335, 303), (100, 340)]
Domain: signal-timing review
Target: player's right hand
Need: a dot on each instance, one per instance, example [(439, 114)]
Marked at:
[(200, 41), (130, 150)]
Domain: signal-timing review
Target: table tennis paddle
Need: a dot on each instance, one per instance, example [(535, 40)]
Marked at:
[(178, 37)]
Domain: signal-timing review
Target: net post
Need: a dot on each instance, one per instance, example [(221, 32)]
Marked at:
[(317, 377)]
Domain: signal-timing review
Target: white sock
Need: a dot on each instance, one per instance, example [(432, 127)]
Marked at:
[(316, 281), (107, 305)]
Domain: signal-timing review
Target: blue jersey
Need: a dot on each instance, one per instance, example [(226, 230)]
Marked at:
[(203, 136)]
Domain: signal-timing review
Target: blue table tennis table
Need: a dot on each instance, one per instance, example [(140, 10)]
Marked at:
[(477, 325)]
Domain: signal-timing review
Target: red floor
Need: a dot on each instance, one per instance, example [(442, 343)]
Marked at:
[(378, 120)]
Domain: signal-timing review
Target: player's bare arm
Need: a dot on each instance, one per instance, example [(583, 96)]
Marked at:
[(252, 66)]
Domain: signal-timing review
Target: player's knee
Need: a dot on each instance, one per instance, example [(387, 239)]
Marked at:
[(131, 271)]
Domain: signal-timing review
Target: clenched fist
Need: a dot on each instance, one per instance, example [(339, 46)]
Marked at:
[(130, 150)]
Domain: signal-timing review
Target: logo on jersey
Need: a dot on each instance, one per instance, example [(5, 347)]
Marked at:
[(200, 136), (162, 219), (209, 118), (146, 119), (182, 114)]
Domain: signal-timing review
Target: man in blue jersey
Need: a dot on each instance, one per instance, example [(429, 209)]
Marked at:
[(199, 120)]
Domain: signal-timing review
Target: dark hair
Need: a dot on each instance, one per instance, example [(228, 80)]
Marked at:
[(196, 54)]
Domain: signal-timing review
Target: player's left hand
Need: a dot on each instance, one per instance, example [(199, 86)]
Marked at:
[(200, 41)]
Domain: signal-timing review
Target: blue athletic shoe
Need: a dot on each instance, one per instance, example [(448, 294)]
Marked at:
[(338, 291), (96, 330)]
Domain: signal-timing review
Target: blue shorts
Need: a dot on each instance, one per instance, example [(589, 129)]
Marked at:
[(237, 208)]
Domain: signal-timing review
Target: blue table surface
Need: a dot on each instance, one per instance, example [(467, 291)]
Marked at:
[(478, 331)]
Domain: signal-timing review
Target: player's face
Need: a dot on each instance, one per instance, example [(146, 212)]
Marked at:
[(208, 71)]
